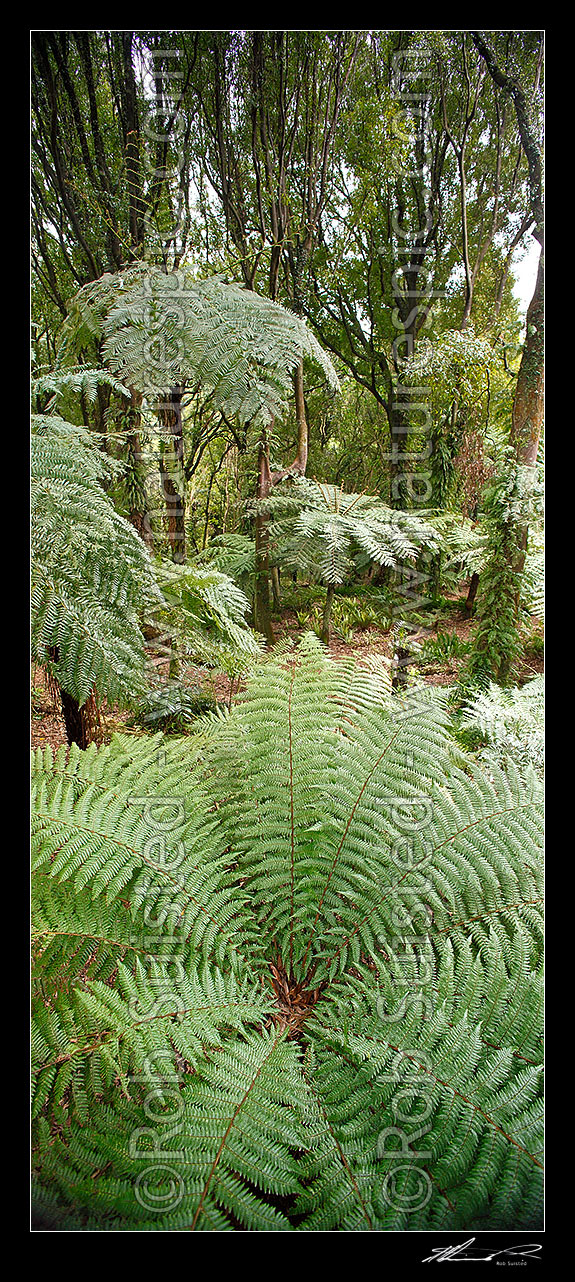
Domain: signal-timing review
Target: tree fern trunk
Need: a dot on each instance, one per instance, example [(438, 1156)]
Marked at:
[(81, 722), (262, 608), (472, 592), (173, 475), (326, 620), (276, 589)]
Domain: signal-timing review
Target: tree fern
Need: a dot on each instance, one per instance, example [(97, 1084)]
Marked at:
[(91, 573), (288, 971), (159, 330), (328, 533), (206, 611)]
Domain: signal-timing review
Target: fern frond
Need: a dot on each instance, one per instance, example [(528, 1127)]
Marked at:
[(288, 973), (163, 329), (327, 532), (91, 573), (81, 380), (512, 722), (207, 611)]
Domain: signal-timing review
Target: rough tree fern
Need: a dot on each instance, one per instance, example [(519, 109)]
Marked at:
[(287, 972)]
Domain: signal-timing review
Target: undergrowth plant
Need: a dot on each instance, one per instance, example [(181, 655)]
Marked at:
[(512, 499), (287, 971), (444, 647), (173, 707), (204, 613), (332, 535), (510, 723)]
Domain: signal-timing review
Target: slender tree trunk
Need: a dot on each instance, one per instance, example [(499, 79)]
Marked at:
[(528, 407), (472, 592), (276, 589), (262, 607), (266, 481), (173, 474), (326, 620), (139, 514), (129, 95), (300, 461), (528, 404)]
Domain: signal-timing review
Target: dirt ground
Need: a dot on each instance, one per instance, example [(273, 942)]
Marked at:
[(47, 726)]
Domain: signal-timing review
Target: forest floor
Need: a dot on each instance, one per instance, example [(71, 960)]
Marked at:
[(47, 726)]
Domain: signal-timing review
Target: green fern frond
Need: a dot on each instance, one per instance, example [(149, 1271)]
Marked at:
[(288, 973), (327, 533), (512, 723), (162, 329), (81, 380), (207, 611), (91, 573)]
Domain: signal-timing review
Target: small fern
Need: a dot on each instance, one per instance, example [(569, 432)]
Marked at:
[(443, 648), (173, 708), (287, 973)]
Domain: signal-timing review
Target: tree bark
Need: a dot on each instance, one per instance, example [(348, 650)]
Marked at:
[(80, 722), (528, 404), (139, 514), (173, 472), (326, 620), (276, 588), (472, 592), (262, 607)]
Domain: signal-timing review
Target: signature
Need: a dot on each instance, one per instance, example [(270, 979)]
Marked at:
[(466, 1251)]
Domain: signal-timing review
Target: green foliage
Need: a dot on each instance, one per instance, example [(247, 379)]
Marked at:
[(534, 645), (204, 612), (533, 582), (443, 648), (173, 708), (91, 573), (349, 614), (162, 329), (233, 554), (55, 385), (287, 973), (329, 534), (458, 366), (463, 545), (511, 723), (510, 498)]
